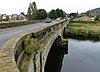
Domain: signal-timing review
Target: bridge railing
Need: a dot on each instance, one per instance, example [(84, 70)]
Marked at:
[(11, 53)]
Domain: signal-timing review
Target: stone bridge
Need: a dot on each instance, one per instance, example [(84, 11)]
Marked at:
[(12, 53)]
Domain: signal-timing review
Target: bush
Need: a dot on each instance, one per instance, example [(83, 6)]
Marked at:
[(85, 22), (94, 34), (30, 45), (83, 32)]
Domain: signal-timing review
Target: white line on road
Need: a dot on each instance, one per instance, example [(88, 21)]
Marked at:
[(11, 33)]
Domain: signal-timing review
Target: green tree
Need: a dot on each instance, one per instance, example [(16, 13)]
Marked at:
[(62, 13), (41, 14), (87, 13), (32, 11), (97, 18), (57, 13), (7, 18), (73, 14), (52, 14), (29, 15)]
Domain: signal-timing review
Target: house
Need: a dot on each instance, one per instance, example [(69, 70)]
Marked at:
[(0, 17), (21, 17), (14, 17), (76, 19), (92, 19), (85, 18), (18, 17), (4, 16)]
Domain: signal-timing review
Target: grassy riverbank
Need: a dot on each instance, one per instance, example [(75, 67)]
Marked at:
[(83, 29)]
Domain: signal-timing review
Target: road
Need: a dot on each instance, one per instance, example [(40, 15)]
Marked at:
[(7, 34)]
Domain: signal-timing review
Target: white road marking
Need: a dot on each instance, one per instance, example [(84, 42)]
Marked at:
[(11, 33)]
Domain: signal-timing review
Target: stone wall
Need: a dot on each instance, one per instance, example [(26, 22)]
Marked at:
[(11, 53), (14, 24)]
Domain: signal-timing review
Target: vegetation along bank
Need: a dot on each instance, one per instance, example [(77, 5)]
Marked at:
[(79, 29)]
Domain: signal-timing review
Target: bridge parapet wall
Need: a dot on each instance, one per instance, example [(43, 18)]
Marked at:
[(41, 55), (11, 53)]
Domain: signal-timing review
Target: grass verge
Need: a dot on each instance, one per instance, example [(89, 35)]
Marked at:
[(85, 30)]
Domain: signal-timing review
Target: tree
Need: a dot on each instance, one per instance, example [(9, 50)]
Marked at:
[(52, 14), (57, 13), (62, 13), (41, 14), (29, 16), (72, 14), (32, 11), (87, 13), (97, 18), (7, 18)]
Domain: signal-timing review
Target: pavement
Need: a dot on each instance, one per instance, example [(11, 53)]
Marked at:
[(8, 33)]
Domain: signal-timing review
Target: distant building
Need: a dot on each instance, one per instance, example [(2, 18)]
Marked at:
[(4, 16), (21, 17), (85, 18), (18, 17), (0, 17), (14, 17), (92, 19)]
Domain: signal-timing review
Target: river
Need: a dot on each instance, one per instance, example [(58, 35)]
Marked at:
[(79, 56)]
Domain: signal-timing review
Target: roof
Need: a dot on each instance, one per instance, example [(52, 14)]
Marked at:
[(85, 18)]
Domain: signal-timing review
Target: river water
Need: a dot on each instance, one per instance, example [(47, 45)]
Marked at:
[(79, 56)]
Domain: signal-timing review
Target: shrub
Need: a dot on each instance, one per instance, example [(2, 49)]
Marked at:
[(30, 45), (83, 32), (85, 22), (94, 34)]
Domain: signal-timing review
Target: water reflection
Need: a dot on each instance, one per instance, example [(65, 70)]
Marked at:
[(83, 56), (55, 58), (85, 39)]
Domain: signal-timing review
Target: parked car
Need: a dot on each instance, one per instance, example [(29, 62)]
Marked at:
[(48, 20), (58, 19)]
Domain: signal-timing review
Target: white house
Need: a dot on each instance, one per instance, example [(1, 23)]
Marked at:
[(92, 19), (4, 16), (21, 17), (14, 17)]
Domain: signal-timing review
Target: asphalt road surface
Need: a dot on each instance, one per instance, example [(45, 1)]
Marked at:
[(7, 34)]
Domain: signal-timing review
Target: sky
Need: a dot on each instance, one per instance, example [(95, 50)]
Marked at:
[(69, 6)]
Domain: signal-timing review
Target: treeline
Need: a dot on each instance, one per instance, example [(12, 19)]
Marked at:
[(39, 14), (53, 14)]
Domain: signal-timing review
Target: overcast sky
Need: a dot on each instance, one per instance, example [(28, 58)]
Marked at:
[(17, 6)]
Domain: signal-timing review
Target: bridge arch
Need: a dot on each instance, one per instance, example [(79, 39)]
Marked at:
[(55, 45), (64, 32)]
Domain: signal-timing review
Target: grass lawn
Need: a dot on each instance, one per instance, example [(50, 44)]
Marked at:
[(94, 27), (10, 21)]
